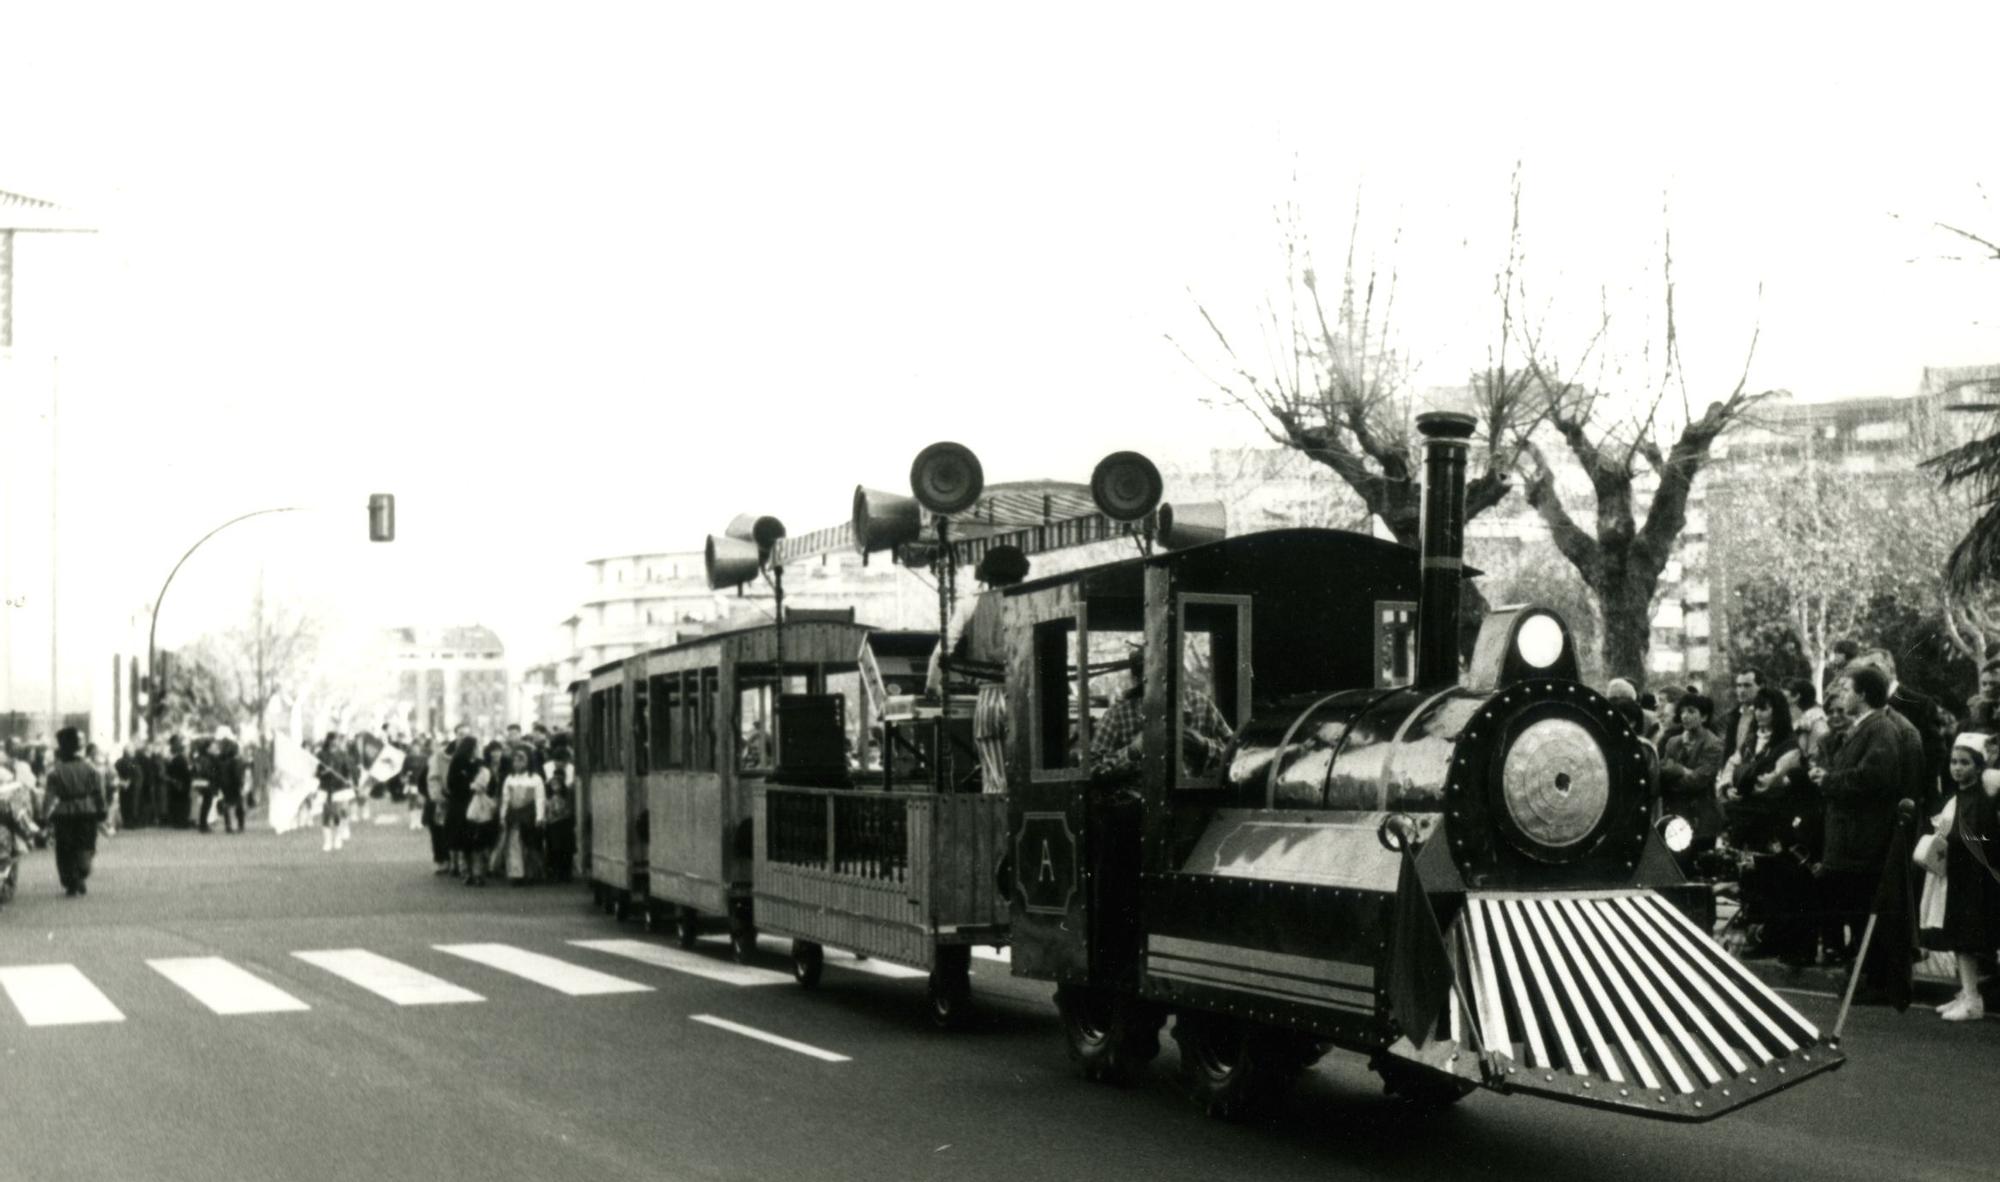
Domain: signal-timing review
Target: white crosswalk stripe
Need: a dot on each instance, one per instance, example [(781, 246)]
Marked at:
[(681, 960), (879, 968), (224, 987), (987, 952), (387, 978), (560, 975), (766, 1036), (56, 995)]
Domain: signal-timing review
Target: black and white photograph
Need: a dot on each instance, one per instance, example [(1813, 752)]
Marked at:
[(643, 591)]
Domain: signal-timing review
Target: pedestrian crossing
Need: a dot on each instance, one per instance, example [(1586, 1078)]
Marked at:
[(64, 995)]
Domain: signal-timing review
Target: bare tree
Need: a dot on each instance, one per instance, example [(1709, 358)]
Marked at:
[(1615, 436), (1334, 385)]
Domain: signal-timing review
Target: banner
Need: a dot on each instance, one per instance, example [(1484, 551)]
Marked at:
[(293, 783), (386, 765)]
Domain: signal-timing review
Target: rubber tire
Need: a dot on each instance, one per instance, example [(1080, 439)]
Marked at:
[(1235, 1070), (808, 961), (950, 996), (687, 927), (1429, 1091), (743, 943), (1111, 1036)]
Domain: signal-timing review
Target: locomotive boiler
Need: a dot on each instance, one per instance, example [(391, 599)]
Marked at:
[(1464, 879)]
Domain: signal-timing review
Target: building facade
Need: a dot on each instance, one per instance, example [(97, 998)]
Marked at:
[(447, 676)]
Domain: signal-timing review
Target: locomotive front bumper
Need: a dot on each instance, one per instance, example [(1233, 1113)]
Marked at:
[(1612, 999)]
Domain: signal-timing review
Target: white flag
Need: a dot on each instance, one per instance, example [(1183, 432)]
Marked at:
[(386, 765)]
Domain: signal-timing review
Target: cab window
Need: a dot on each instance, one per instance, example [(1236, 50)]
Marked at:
[(1212, 644)]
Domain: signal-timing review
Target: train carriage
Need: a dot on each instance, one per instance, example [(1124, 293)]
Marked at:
[(705, 713)]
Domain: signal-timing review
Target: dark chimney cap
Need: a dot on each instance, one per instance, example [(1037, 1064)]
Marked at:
[(1446, 424)]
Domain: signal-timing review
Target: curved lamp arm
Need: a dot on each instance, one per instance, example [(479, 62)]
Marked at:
[(157, 693)]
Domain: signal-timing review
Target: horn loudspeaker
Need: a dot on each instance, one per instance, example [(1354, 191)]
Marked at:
[(883, 521)]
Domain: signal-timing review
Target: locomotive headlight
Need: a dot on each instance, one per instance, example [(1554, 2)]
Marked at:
[(1555, 781), (1539, 640), (1676, 832)]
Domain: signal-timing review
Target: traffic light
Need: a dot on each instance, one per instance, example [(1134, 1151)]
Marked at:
[(382, 517)]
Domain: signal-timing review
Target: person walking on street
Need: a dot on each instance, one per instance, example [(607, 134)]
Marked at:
[(74, 800), (336, 787), (229, 774)]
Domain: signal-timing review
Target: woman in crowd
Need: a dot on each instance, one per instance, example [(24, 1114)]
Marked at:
[(559, 834), (523, 807), (74, 798), (464, 772), (1971, 927), (1756, 782), (230, 772)]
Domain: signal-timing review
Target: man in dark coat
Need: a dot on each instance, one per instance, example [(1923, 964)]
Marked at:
[(179, 795), (1929, 751), (1861, 783), (74, 802), (1741, 721)]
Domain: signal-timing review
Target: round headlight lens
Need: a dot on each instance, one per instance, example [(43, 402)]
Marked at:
[(1677, 833), (1540, 640), (1556, 783)]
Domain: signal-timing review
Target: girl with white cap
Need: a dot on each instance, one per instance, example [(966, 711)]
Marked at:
[(1970, 923)]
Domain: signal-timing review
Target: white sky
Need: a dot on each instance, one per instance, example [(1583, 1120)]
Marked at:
[(576, 279)]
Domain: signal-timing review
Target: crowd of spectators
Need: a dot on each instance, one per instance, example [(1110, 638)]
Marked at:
[(1796, 799)]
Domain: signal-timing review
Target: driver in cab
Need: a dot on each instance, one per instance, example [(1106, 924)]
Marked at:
[(1115, 744)]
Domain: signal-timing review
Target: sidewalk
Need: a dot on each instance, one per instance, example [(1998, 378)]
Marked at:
[(1936, 976)]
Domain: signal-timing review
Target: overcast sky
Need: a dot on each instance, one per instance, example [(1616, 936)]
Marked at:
[(575, 279)]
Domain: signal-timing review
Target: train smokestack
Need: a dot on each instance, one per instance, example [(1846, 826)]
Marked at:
[(1441, 538)]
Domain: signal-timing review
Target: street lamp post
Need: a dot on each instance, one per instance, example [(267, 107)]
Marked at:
[(381, 528)]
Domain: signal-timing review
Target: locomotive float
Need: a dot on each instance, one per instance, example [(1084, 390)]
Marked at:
[(1297, 828)]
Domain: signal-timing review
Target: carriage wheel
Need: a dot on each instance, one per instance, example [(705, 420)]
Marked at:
[(808, 960), (951, 987), (687, 927), (1236, 1070), (743, 942), (1110, 1035), (1418, 1086)]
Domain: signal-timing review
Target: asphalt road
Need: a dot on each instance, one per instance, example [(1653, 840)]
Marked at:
[(655, 1076)]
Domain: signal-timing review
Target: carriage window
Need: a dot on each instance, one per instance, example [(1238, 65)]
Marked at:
[(707, 706), (614, 735), (848, 685), (598, 763), (1395, 644), (1054, 737), (641, 732), (757, 692), (1214, 644), (664, 702)]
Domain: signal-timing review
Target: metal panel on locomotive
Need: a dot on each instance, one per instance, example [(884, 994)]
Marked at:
[(1465, 882)]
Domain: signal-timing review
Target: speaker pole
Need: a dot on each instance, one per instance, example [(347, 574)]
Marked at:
[(945, 567), (777, 575)]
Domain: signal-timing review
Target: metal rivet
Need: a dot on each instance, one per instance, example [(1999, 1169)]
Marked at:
[(1805, 1058), (1663, 1099), (1725, 1093), (1697, 1104), (1753, 1079), (1586, 1085), (1625, 1093), (1549, 1078), (1781, 1070)]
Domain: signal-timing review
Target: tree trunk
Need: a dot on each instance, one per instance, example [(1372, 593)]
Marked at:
[(1628, 628)]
